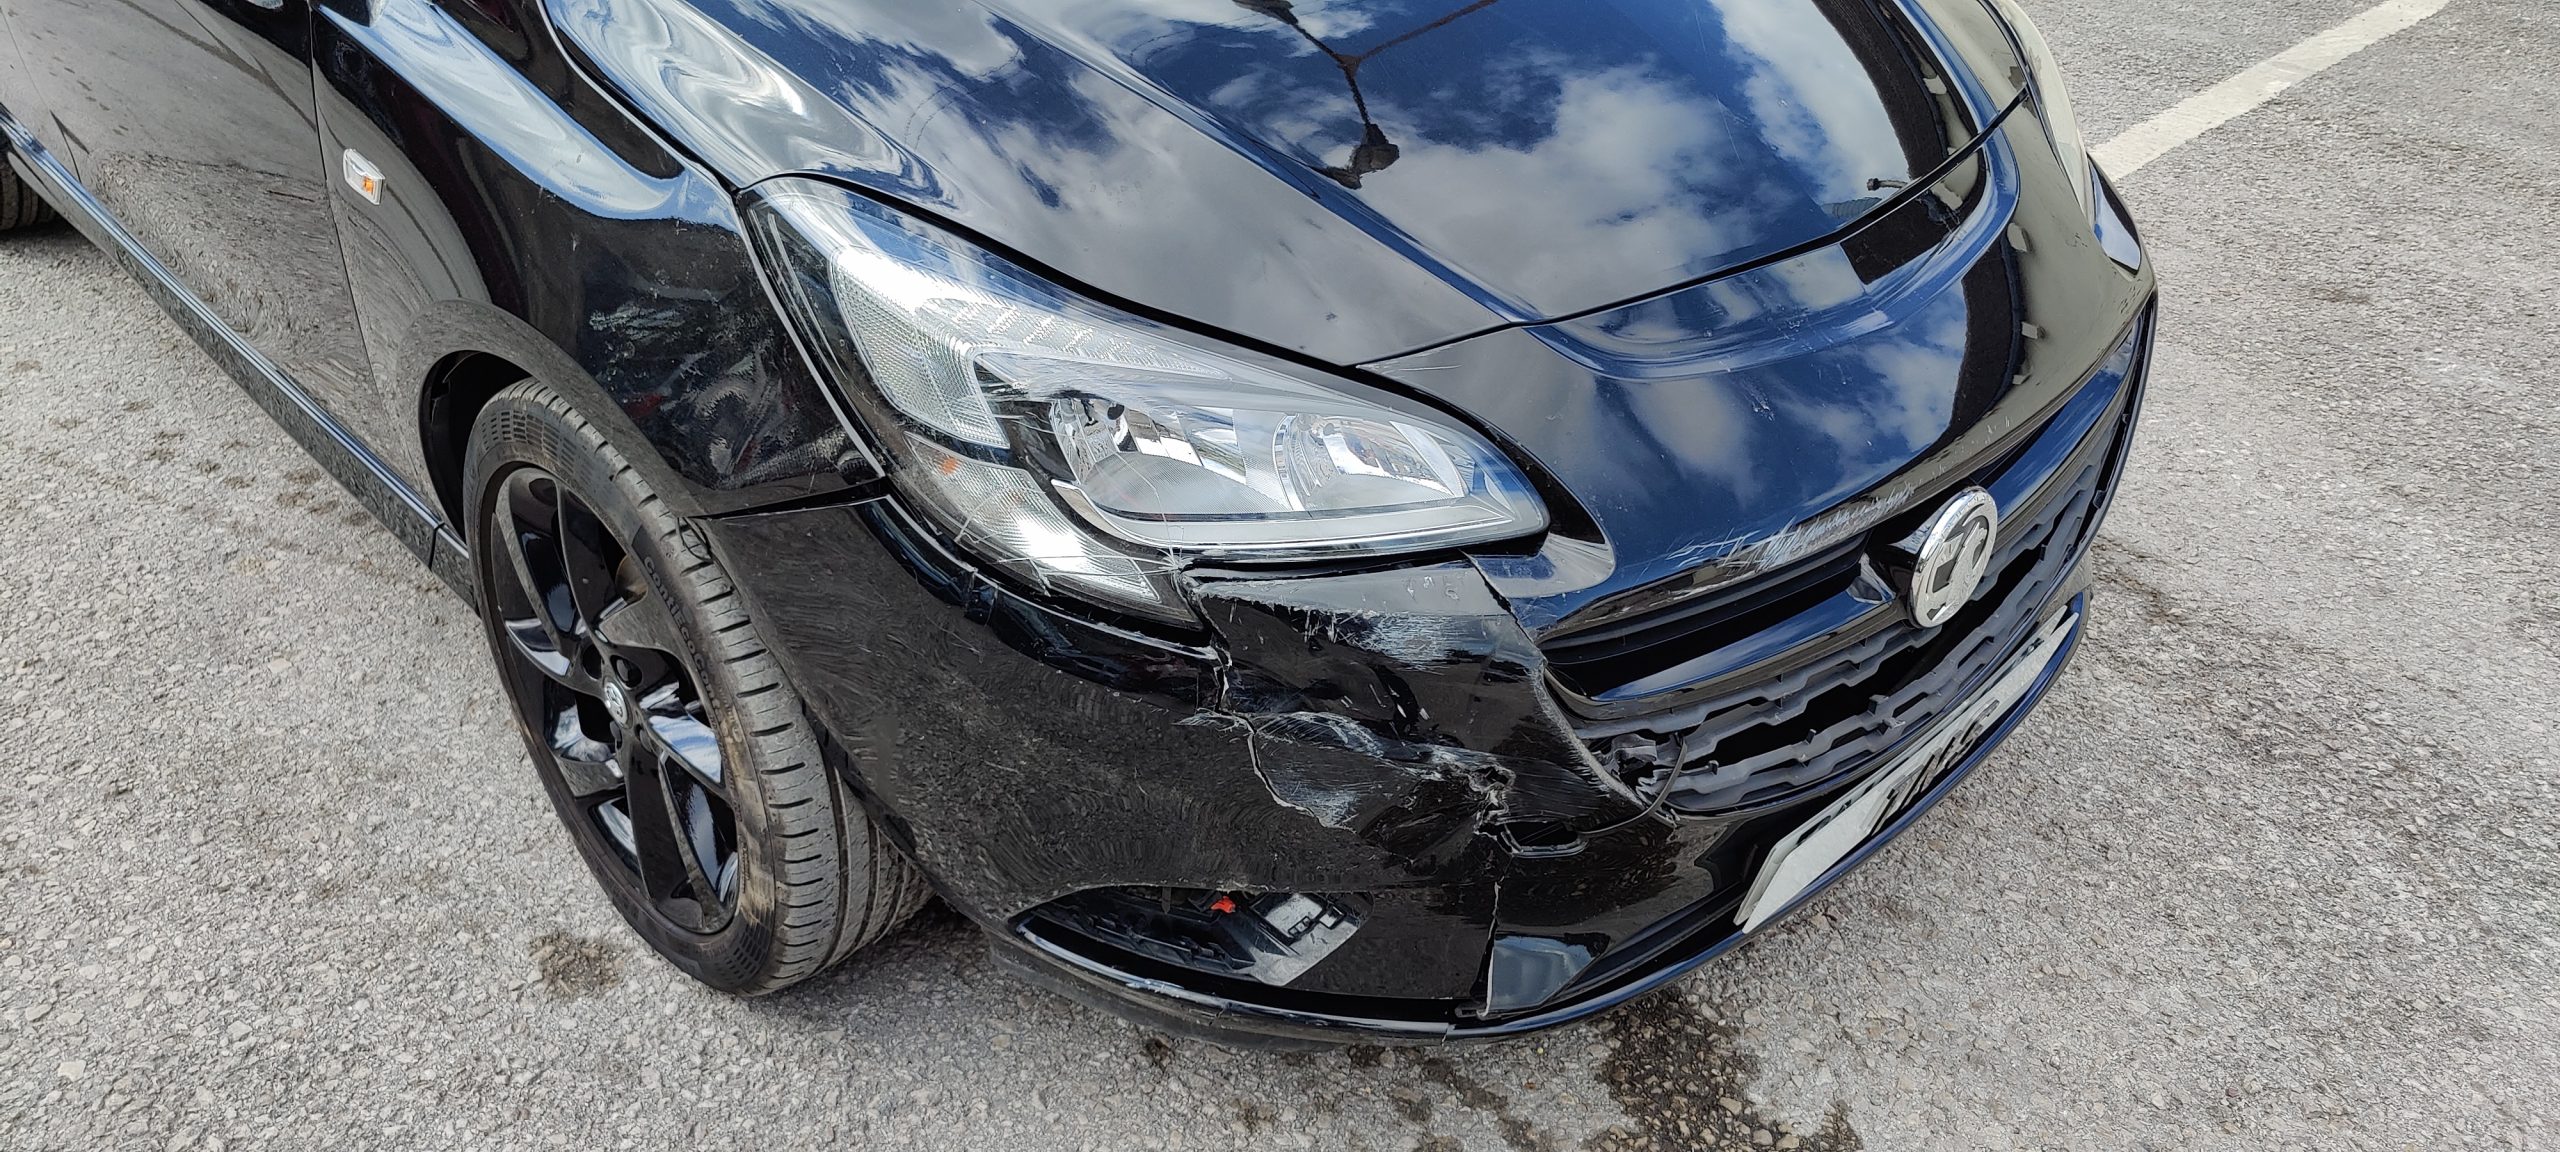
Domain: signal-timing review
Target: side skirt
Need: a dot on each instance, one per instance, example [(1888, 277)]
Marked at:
[(410, 517)]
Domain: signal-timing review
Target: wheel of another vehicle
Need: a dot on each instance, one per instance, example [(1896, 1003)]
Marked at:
[(671, 744), (19, 204)]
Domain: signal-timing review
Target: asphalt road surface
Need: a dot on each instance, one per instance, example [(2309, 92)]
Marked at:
[(2274, 866)]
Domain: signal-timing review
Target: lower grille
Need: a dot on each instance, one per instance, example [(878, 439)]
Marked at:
[(1803, 728)]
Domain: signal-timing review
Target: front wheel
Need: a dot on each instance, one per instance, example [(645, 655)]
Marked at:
[(670, 743), (19, 204)]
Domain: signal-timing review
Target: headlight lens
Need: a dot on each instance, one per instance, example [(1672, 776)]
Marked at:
[(2053, 100), (1078, 444)]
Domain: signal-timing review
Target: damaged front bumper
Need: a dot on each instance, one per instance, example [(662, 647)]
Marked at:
[(1538, 965), (1360, 806)]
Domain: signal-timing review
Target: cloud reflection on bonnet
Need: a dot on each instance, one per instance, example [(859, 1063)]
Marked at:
[(1538, 157), (1355, 181), (1648, 142)]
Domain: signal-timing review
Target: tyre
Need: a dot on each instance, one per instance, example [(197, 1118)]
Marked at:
[(19, 204), (672, 747)]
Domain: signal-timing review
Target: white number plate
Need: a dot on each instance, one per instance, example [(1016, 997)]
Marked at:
[(1809, 851)]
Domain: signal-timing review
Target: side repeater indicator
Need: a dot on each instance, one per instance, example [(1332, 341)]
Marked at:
[(362, 176)]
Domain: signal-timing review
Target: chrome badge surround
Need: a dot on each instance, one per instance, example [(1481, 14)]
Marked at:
[(1953, 552)]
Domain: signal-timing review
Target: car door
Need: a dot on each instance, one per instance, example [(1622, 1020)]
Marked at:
[(16, 102), (20, 103), (192, 122)]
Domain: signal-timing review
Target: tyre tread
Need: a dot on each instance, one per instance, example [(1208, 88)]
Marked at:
[(20, 207)]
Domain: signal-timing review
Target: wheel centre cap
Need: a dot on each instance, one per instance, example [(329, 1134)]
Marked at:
[(617, 702)]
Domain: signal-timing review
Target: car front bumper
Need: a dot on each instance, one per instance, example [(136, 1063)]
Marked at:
[(1692, 939), (1387, 741)]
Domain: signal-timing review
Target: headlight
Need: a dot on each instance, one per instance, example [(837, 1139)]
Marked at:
[(2053, 101), (1077, 444)]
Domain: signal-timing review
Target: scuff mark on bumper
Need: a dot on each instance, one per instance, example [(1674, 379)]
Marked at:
[(1423, 673), (1338, 801)]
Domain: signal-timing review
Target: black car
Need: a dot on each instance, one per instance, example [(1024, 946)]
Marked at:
[(1384, 519)]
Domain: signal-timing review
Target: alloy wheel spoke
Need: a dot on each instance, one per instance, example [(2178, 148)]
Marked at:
[(539, 646), (689, 742), (533, 534), (519, 608), (587, 766), (587, 559), (670, 874), (632, 626), (532, 596), (702, 843), (529, 689)]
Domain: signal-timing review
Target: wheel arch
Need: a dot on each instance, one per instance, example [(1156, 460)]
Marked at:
[(527, 227), (462, 352), (457, 388)]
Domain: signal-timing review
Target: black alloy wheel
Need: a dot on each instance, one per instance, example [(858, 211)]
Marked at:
[(594, 672), (671, 744)]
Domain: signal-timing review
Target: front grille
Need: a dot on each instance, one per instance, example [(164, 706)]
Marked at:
[(1775, 736)]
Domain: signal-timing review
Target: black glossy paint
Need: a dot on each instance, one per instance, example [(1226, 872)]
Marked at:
[(17, 87), (192, 121), (523, 215), (1348, 181), (1719, 431), (401, 509), (1742, 281)]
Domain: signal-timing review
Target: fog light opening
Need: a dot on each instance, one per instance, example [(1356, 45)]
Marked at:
[(1268, 937)]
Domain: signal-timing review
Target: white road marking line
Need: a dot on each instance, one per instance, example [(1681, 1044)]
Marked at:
[(2215, 106)]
